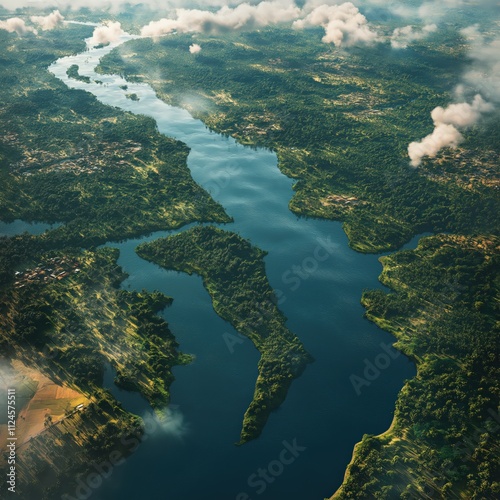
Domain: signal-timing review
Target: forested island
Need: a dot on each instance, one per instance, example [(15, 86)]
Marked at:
[(234, 274)]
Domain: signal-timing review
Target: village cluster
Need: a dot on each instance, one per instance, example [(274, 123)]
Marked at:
[(55, 268), (85, 158)]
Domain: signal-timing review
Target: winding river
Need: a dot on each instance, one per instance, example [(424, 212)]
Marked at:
[(193, 455)]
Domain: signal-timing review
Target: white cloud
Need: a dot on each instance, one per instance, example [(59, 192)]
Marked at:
[(462, 114), (442, 136), (244, 16), (402, 37), (484, 71), (16, 25), (344, 24), (48, 22), (481, 79), (428, 11), (108, 33), (432, 11), (446, 134), (195, 48), (118, 5), (170, 422)]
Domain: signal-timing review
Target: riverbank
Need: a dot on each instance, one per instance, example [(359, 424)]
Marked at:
[(448, 327)]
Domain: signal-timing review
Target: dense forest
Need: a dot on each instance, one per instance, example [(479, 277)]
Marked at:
[(86, 322), (52, 464), (64, 157), (234, 274), (65, 315), (340, 124), (104, 174), (445, 439)]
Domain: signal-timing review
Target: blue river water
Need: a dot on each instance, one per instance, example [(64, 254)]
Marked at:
[(319, 280)]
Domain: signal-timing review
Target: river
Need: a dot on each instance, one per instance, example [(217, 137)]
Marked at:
[(193, 455)]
